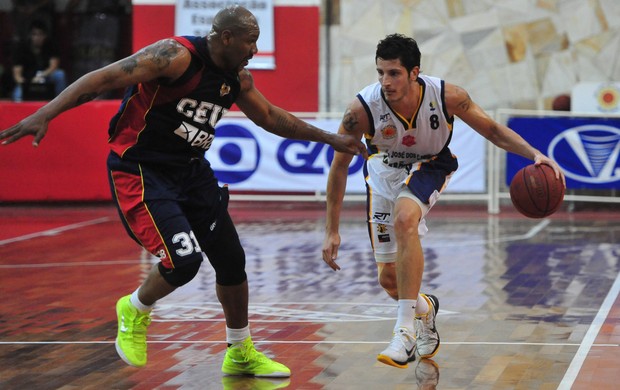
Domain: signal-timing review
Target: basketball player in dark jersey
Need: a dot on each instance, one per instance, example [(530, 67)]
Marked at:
[(167, 195)]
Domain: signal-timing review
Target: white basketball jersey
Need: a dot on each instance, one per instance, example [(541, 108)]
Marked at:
[(390, 138)]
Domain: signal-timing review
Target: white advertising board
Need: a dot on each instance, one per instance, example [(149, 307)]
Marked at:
[(249, 158), (195, 17)]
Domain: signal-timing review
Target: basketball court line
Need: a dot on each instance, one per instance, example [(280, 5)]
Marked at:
[(204, 312), (55, 231), (332, 317), (588, 341), (344, 342), (51, 232), (71, 264), (520, 237), (567, 381)]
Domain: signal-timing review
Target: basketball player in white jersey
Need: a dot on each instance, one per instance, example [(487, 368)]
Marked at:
[(407, 121)]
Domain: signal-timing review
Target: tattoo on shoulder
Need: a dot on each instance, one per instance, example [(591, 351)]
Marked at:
[(160, 53), (465, 103), (350, 121)]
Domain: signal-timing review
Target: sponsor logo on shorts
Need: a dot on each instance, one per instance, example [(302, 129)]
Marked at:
[(381, 216), (384, 238)]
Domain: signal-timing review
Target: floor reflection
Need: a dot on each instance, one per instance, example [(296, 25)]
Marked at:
[(519, 298)]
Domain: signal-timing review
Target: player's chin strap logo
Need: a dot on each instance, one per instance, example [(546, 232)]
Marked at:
[(589, 153)]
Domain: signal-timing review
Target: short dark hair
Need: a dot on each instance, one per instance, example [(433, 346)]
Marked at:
[(38, 25), (399, 46)]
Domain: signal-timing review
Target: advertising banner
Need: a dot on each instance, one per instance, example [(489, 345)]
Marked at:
[(249, 158), (597, 98), (587, 149), (195, 17)]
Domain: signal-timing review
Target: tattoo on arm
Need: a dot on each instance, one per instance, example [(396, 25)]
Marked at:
[(286, 126), (129, 65), (162, 53), (350, 121), (84, 98)]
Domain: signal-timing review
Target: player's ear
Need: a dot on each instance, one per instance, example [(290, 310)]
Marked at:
[(226, 36)]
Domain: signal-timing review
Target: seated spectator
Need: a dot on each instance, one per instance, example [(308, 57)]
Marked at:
[(24, 12), (37, 63)]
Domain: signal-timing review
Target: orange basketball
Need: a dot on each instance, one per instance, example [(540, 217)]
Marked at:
[(535, 192)]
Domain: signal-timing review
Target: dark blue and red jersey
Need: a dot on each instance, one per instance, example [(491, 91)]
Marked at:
[(172, 122)]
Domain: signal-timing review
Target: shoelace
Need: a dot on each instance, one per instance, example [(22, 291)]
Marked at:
[(398, 340), (139, 327), (249, 353), (421, 332)]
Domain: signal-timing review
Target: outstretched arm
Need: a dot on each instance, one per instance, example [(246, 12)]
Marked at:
[(353, 123), (459, 103), (166, 59), (284, 124)]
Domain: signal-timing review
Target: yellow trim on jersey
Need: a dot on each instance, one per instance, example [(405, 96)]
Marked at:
[(409, 122)]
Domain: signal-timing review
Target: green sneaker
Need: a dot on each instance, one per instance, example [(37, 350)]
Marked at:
[(243, 359), (131, 336)]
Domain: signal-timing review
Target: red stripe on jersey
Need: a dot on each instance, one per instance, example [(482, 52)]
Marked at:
[(185, 42), (132, 121), (129, 192), (147, 96)]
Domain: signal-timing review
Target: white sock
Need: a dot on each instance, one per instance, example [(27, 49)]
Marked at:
[(234, 336), (139, 305), (406, 312), (422, 307)]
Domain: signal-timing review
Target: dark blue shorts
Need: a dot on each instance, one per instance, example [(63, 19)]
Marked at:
[(173, 212)]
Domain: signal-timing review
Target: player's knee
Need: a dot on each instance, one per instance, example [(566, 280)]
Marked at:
[(406, 223), (389, 285), (387, 280), (231, 273), (231, 278), (181, 275), (229, 263)]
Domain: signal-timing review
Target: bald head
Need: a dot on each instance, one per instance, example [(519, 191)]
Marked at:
[(234, 19), (233, 37)]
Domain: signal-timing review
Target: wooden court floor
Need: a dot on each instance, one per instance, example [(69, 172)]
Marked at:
[(524, 303)]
